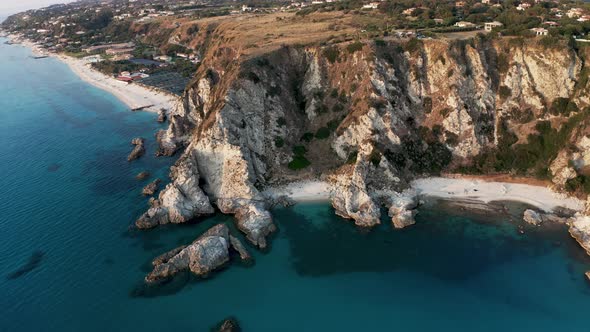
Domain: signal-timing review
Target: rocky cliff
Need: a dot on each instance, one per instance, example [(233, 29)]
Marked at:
[(369, 117)]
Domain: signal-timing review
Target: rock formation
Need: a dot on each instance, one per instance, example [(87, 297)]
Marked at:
[(402, 209), (532, 217), (151, 188), (206, 254), (162, 115), (228, 325), (368, 121), (138, 150), (181, 200)]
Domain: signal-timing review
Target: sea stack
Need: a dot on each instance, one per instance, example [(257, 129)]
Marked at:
[(138, 150)]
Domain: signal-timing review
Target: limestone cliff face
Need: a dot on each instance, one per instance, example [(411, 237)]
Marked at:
[(369, 116)]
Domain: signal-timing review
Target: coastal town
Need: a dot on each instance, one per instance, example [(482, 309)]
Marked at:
[(115, 37)]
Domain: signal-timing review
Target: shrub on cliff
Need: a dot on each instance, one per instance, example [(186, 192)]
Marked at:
[(354, 47), (332, 53), (322, 133)]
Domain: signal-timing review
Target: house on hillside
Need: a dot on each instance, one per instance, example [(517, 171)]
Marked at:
[(489, 26), (464, 24), (540, 31)]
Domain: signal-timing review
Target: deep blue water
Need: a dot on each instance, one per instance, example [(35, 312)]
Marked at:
[(68, 261)]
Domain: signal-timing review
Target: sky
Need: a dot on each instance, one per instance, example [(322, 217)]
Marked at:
[(8, 7)]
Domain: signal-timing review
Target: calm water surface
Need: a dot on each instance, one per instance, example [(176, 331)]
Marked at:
[(68, 261)]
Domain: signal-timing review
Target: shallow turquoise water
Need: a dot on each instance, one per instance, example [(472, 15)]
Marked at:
[(67, 191)]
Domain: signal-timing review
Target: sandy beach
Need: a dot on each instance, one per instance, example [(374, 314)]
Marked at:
[(302, 191), (475, 189), (540, 197), (135, 96)]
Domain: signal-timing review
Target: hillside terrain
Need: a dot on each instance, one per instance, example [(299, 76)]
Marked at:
[(368, 116)]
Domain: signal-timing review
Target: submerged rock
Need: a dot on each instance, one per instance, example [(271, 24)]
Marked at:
[(151, 188), (206, 254), (228, 325), (238, 246), (142, 175), (138, 150)]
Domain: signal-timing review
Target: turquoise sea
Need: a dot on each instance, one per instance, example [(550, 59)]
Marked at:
[(70, 262)]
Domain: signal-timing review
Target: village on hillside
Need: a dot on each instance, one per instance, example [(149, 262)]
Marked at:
[(111, 35)]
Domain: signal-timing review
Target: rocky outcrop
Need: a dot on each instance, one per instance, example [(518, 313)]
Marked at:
[(369, 122), (402, 209), (151, 188), (138, 150), (162, 116), (207, 253), (580, 230), (532, 217), (350, 198), (256, 222), (181, 200), (536, 218)]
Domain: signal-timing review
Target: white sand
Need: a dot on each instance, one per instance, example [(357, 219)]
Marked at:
[(540, 197), (466, 189), (135, 96), (302, 191)]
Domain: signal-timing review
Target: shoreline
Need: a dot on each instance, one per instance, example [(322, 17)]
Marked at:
[(134, 96), (449, 188)]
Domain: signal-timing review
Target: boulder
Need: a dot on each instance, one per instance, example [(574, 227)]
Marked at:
[(256, 222), (587, 274), (207, 253), (532, 217), (162, 115), (402, 209), (138, 150), (151, 188)]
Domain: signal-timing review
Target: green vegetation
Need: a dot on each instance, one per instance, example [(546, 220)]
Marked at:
[(307, 137), (322, 133), (354, 47), (281, 122), (352, 157), (279, 142), (563, 106), (531, 158), (332, 53), (375, 157), (504, 92), (299, 161)]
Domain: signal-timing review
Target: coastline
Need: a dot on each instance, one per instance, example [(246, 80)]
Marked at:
[(467, 189), (134, 96)]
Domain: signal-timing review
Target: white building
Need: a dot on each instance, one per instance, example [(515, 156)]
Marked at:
[(540, 31), (464, 24), (489, 26)]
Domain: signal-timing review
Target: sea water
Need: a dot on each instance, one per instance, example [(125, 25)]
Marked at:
[(69, 260)]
